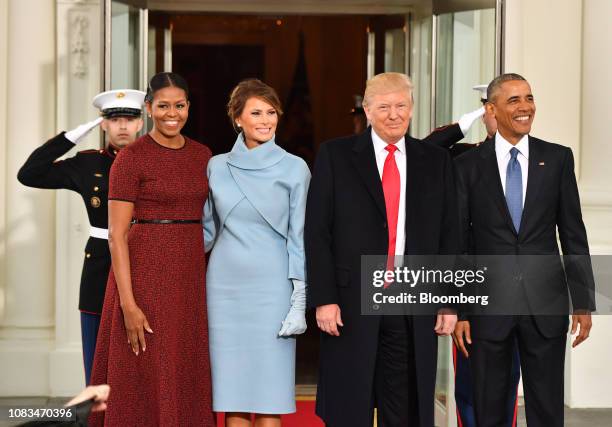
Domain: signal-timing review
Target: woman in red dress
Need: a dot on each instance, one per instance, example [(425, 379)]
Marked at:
[(153, 339)]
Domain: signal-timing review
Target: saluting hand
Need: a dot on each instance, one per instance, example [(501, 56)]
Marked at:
[(136, 324), (78, 133)]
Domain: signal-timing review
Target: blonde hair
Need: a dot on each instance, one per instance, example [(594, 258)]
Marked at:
[(384, 83)]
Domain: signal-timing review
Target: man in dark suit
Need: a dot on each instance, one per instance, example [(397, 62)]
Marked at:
[(377, 193), (514, 192)]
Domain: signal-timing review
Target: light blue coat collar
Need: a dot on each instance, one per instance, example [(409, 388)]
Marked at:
[(262, 157)]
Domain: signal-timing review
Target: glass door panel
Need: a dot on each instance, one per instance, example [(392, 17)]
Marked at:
[(465, 57), (387, 44), (420, 73), (125, 44), (464, 40)]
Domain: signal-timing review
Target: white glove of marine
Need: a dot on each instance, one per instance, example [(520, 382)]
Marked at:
[(295, 321), (78, 133), (467, 120)]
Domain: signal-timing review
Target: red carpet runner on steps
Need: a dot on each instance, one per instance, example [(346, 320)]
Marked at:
[(304, 417)]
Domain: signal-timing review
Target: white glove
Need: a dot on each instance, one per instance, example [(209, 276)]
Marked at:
[(295, 321), (78, 133), (467, 120)]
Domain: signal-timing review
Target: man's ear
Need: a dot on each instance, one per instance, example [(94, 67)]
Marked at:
[(104, 125), (366, 110), (490, 109), (140, 124)]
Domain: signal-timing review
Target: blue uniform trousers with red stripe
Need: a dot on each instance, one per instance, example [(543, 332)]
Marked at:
[(90, 323), (464, 397)]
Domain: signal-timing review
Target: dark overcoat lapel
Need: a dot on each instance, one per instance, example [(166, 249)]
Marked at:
[(364, 160)]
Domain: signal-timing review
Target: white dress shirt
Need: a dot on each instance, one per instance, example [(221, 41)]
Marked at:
[(400, 161), (502, 151)]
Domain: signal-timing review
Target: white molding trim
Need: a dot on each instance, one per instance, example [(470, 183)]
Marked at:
[(78, 34), (79, 45), (595, 197)]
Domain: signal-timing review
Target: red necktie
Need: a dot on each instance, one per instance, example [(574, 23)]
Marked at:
[(391, 188)]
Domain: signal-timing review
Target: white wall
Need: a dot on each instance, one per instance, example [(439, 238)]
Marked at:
[(543, 44), (591, 367), (49, 72), (26, 326), (3, 134), (562, 47)]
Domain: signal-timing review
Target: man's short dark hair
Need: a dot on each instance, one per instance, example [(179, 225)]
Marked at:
[(498, 81)]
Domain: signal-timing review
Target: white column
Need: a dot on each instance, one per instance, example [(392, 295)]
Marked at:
[(596, 101), (3, 135), (590, 373), (79, 35), (26, 325), (561, 49), (543, 44)]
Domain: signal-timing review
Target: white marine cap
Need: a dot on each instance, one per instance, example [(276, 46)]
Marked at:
[(483, 91), (122, 102)]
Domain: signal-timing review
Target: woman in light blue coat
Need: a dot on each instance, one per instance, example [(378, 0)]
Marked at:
[(256, 273)]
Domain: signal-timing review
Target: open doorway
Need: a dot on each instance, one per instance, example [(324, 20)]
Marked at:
[(316, 63), (317, 54)]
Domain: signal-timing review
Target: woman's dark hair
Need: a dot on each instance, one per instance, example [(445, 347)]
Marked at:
[(251, 88), (162, 80)]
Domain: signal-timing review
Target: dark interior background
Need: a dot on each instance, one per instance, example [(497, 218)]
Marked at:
[(316, 63)]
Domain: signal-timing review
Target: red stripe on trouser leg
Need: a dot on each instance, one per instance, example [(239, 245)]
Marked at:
[(459, 422)]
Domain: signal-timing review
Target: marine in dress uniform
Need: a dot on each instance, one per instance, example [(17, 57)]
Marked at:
[(87, 174), (449, 136)]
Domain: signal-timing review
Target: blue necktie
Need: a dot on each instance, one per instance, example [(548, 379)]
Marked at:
[(514, 189)]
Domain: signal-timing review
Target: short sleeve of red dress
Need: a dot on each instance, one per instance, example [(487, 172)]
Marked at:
[(124, 180)]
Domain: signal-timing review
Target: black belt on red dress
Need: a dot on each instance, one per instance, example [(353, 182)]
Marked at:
[(166, 221)]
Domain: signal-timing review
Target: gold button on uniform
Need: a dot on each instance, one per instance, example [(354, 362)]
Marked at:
[(95, 202), (96, 188), (87, 255)]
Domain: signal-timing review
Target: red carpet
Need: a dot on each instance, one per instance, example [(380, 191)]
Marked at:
[(304, 417)]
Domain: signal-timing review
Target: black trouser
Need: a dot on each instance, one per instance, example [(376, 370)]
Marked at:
[(395, 388), (542, 364)]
